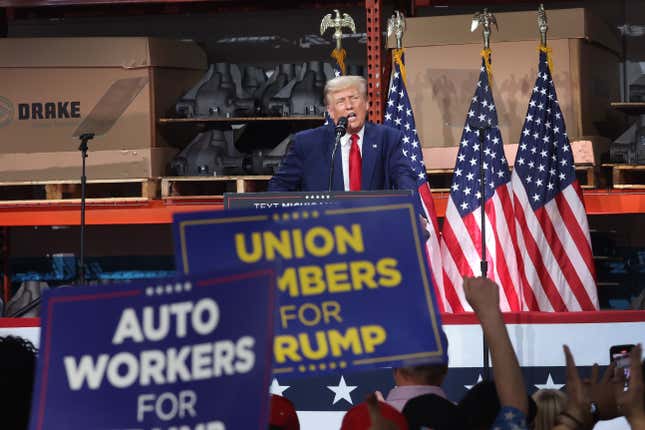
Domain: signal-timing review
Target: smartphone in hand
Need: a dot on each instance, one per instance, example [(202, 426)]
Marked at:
[(619, 355)]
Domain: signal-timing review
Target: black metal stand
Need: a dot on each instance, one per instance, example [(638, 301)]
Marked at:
[(341, 129), (83, 148), (482, 205)]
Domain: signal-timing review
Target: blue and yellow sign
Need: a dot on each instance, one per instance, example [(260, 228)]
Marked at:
[(353, 284), (160, 355)]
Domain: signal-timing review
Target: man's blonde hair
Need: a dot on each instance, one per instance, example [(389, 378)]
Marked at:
[(342, 83)]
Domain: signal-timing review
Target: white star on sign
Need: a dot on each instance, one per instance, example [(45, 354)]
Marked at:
[(549, 384), (276, 388), (342, 391), (479, 379)]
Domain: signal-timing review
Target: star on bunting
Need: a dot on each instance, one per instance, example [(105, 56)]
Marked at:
[(342, 391), (549, 384), (479, 379), (276, 388)]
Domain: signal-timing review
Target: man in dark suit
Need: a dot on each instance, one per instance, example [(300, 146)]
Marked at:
[(370, 156)]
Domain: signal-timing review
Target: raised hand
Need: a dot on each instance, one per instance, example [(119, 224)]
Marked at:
[(631, 402), (577, 414), (601, 392), (482, 294)]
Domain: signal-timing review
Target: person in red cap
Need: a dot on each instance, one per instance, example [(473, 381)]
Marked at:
[(283, 414), (373, 415)]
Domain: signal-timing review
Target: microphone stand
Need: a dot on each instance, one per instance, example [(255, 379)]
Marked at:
[(331, 163), (83, 148), (341, 129), (483, 265)]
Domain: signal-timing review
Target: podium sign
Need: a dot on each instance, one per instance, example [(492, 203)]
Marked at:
[(276, 200)]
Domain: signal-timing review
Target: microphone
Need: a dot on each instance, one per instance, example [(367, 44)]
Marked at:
[(341, 129)]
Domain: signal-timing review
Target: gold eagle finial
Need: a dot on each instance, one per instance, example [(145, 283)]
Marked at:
[(396, 26), (337, 23), (486, 19)]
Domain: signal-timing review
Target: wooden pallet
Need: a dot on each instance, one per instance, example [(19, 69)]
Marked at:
[(208, 187), (627, 176), (69, 191), (586, 174), (441, 179)]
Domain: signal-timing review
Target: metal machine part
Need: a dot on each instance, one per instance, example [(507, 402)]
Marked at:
[(232, 91), (629, 148), (213, 153), (275, 99), (216, 98), (307, 93), (228, 90), (185, 107), (637, 90), (210, 153)]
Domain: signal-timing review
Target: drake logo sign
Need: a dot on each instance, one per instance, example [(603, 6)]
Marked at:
[(38, 110), (6, 111), (49, 110)]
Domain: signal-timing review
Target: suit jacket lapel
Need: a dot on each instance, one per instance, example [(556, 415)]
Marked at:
[(338, 183), (369, 155)]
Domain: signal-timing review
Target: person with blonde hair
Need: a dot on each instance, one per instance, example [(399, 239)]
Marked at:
[(550, 403)]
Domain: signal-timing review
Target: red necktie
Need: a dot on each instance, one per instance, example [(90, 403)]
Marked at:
[(355, 165)]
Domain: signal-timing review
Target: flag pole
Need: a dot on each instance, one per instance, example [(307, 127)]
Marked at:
[(483, 264), (484, 18)]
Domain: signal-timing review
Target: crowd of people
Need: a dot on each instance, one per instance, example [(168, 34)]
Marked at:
[(418, 401), (503, 404)]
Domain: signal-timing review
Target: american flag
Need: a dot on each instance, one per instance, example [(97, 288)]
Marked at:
[(398, 114), (338, 71), (556, 265), (461, 247)]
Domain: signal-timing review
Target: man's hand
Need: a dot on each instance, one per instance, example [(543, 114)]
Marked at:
[(577, 411), (482, 294), (631, 402), (601, 391)]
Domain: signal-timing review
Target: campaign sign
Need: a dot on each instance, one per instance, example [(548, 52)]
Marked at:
[(186, 354), (354, 289)]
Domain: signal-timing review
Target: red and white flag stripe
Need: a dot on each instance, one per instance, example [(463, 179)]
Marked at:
[(433, 247), (555, 251), (461, 251)]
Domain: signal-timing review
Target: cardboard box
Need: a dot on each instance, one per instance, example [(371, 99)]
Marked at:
[(56, 82), (587, 151), (100, 164), (443, 61)]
